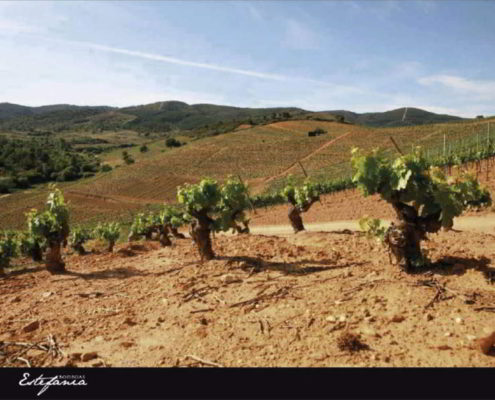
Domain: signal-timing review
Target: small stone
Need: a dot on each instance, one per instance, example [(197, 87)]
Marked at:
[(89, 356), (342, 318), (370, 319), (486, 343), (47, 294), (161, 319), (458, 320), (444, 347), (387, 359), (130, 321), (397, 318), (126, 345), (98, 364), (203, 321), (338, 302), (227, 279), (470, 337), (428, 317), (330, 318), (447, 334), (16, 299), (32, 326), (75, 356)]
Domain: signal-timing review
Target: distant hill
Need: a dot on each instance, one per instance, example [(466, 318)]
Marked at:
[(405, 116), (157, 117), (200, 119)]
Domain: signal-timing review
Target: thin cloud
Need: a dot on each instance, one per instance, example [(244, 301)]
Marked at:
[(458, 83), (178, 61), (214, 67)]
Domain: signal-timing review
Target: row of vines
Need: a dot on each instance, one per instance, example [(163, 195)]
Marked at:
[(418, 188)]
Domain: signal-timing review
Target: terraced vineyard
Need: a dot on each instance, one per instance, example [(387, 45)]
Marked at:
[(262, 155)]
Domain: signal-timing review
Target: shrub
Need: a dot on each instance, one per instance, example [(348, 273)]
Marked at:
[(31, 246), (301, 199), (423, 198), (53, 226), (317, 132), (110, 232), (172, 142), (127, 158), (9, 248), (214, 208), (106, 168), (143, 148), (78, 237)]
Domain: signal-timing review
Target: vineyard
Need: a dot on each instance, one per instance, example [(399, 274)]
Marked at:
[(262, 155), (387, 279)]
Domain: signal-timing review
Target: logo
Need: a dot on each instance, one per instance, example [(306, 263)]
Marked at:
[(46, 381)]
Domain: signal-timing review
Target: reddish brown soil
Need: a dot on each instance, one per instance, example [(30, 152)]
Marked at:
[(266, 301)]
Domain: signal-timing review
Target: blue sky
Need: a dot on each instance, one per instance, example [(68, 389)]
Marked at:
[(321, 55)]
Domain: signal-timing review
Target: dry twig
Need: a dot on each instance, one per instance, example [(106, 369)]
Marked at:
[(202, 361)]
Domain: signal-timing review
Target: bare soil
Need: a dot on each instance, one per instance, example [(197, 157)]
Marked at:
[(265, 301)]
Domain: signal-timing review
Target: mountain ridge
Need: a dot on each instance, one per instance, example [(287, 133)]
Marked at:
[(165, 116)]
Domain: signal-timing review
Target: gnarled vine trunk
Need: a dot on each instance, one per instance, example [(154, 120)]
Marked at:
[(235, 227), (201, 233), (111, 244), (79, 248), (295, 219), (37, 252), (404, 239), (295, 212), (164, 239), (53, 259), (176, 233)]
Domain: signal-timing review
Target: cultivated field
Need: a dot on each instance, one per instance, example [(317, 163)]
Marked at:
[(262, 155)]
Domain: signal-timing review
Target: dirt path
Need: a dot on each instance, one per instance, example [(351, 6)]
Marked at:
[(323, 146), (485, 224)]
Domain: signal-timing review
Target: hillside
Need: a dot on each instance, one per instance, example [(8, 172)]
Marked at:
[(263, 155), (200, 119), (157, 117), (400, 117)]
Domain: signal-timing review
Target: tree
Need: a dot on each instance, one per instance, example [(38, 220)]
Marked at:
[(53, 226), (143, 148), (301, 198), (110, 232), (172, 142), (214, 208), (127, 158), (423, 198)]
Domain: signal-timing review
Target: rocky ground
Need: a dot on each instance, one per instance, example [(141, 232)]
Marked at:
[(313, 299)]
